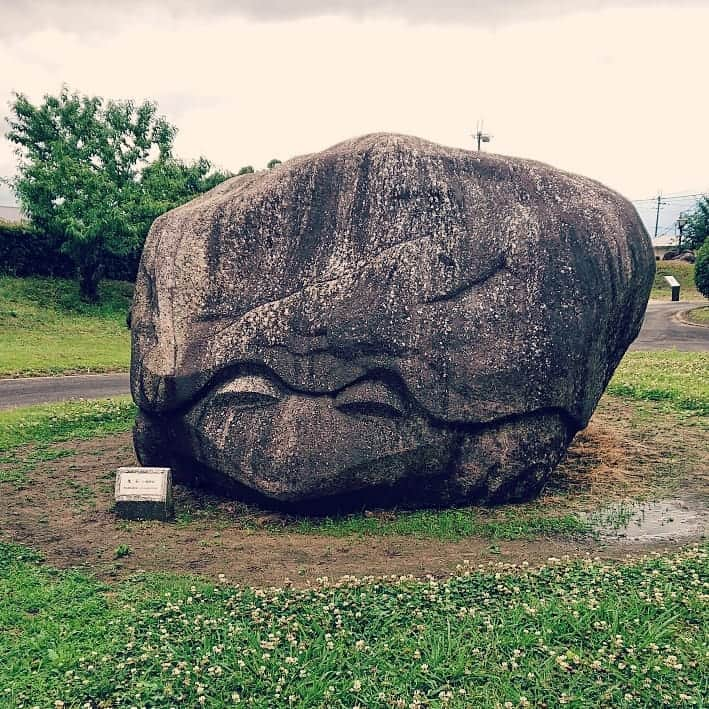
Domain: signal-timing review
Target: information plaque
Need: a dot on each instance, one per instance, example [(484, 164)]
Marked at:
[(144, 493)]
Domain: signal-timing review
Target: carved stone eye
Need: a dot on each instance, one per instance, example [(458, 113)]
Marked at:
[(370, 398), (248, 392)]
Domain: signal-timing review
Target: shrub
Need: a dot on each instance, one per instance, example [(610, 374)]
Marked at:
[(701, 270), (25, 251)]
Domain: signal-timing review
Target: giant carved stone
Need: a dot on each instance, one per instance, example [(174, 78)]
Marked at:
[(386, 321)]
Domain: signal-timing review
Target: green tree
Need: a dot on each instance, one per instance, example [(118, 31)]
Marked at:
[(272, 163), (94, 174), (697, 227), (169, 182), (246, 170)]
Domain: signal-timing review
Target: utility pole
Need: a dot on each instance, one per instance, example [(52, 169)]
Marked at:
[(681, 223), (657, 216), (479, 136)]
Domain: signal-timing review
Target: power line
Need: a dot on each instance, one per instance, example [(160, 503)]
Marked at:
[(680, 193), (671, 196)]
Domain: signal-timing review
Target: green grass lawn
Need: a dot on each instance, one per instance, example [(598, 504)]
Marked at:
[(683, 272), (679, 379), (577, 634), (700, 316), (46, 424), (46, 329), (582, 634)]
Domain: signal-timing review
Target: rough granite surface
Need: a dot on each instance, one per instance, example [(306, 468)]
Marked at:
[(388, 320)]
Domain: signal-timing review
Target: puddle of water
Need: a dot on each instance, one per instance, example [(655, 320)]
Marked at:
[(651, 521)]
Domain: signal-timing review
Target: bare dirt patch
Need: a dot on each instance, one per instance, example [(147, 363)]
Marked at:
[(64, 511)]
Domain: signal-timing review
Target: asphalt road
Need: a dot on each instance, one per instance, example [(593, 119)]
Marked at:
[(41, 390), (661, 330)]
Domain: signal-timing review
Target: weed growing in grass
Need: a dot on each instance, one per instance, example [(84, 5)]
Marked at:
[(576, 634), (83, 493), (15, 468), (613, 517), (121, 551)]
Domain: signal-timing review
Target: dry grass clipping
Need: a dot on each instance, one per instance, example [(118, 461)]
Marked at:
[(602, 465)]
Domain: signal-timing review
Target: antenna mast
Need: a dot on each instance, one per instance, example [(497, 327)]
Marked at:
[(479, 135)]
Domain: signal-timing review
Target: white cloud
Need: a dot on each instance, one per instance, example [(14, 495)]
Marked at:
[(21, 16), (617, 95)]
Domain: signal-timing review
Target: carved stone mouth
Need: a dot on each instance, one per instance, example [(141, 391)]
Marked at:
[(447, 469)]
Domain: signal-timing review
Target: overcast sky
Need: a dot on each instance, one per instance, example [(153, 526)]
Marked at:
[(612, 89)]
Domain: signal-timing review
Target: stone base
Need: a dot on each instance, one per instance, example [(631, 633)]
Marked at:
[(142, 510)]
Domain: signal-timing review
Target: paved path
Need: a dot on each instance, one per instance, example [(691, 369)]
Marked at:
[(39, 390), (661, 330)]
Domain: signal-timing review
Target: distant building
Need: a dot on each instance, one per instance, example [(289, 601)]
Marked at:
[(10, 214), (665, 240)]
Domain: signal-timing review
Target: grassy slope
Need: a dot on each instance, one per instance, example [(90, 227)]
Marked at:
[(683, 272), (680, 379), (46, 329), (581, 635)]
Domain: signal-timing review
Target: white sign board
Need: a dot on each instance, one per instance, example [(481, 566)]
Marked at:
[(141, 485), (148, 484), (144, 493)]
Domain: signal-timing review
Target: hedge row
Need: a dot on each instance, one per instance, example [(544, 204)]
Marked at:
[(27, 252)]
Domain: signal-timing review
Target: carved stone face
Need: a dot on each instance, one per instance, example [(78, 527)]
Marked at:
[(275, 439), (386, 316)]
